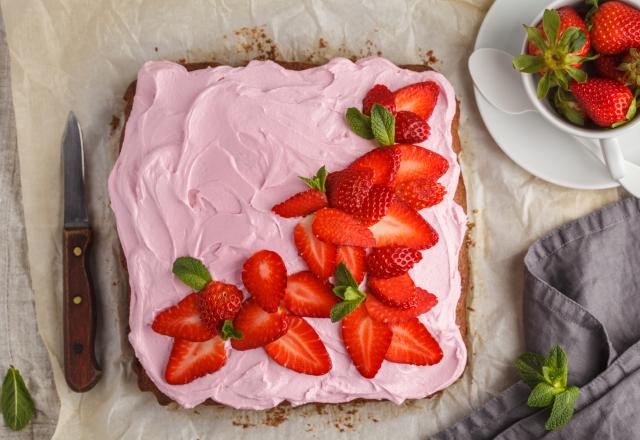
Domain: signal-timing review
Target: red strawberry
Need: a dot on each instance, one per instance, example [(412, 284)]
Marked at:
[(421, 193), (569, 17), (375, 205), (615, 28), (607, 66), (347, 189), (301, 349), (391, 315), (183, 321), (265, 277), (353, 257), (397, 292), (308, 295), (384, 162), (420, 98), (391, 261), (301, 204), (606, 102), (419, 163), (257, 326), (319, 256), (334, 226), (403, 226), (191, 360), (411, 128), (366, 341), (379, 94), (413, 344), (218, 302)]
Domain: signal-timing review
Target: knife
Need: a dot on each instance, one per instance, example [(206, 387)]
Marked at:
[(80, 367)]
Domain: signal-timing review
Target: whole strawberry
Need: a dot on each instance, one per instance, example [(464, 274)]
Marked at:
[(624, 67), (557, 48), (615, 27), (218, 302), (608, 103)]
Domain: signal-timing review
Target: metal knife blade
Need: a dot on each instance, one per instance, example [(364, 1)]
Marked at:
[(75, 209)]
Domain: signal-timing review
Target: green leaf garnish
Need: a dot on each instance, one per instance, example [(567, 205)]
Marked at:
[(551, 25), (383, 125), (192, 272), (229, 331), (359, 123), (347, 290), (562, 410), (17, 404), (318, 181), (547, 377)]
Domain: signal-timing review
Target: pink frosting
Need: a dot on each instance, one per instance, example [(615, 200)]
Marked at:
[(206, 155)]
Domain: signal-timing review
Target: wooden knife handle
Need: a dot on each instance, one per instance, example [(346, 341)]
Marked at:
[(80, 367)]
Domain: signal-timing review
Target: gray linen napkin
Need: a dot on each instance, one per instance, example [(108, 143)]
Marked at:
[(582, 291)]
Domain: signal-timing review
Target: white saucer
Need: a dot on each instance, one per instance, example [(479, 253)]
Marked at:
[(528, 139)]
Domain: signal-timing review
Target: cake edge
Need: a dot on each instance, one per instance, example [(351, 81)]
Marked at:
[(145, 384)]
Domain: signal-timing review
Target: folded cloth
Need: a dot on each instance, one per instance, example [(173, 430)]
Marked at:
[(582, 291)]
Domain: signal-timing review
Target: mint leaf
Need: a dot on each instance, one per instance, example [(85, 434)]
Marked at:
[(192, 272), (359, 123), (342, 309), (340, 291), (318, 181), (383, 125), (344, 276), (229, 331), (352, 294), (17, 404), (529, 366), (542, 395), (556, 367), (563, 408)]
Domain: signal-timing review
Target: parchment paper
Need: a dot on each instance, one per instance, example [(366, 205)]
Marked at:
[(81, 55)]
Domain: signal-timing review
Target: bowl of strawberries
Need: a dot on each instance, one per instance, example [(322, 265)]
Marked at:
[(581, 70)]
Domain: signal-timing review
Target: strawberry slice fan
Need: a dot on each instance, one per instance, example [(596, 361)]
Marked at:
[(356, 224)]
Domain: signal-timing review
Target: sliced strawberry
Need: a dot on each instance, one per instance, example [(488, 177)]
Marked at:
[(419, 163), (334, 226), (397, 292), (375, 205), (353, 257), (413, 344), (420, 98), (403, 226), (265, 277), (384, 162), (379, 94), (411, 128), (392, 261), (347, 189), (391, 315), (319, 256), (366, 341), (301, 204), (183, 321), (218, 302), (190, 360), (308, 295), (421, 193), (301, 349), (257, 326)]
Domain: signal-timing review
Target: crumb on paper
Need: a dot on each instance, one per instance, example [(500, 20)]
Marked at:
[(275, 417), (155, 48), (114, 124), (428, 58), (322, 43), (254, 43)]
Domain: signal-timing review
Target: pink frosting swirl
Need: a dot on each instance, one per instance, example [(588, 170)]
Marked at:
[(206, 155)]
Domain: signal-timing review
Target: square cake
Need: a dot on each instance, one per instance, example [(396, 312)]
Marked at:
[(249, 290)]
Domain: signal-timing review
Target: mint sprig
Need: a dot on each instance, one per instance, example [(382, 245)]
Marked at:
[(547, 377), (228, 331), (347, 290), (318, 181), (17, 404), (192, 272), (381, 126)]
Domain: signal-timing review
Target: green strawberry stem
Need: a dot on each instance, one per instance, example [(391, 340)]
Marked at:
[(631, 69)]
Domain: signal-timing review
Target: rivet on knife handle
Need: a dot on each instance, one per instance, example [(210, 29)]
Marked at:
[(81, 369)]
